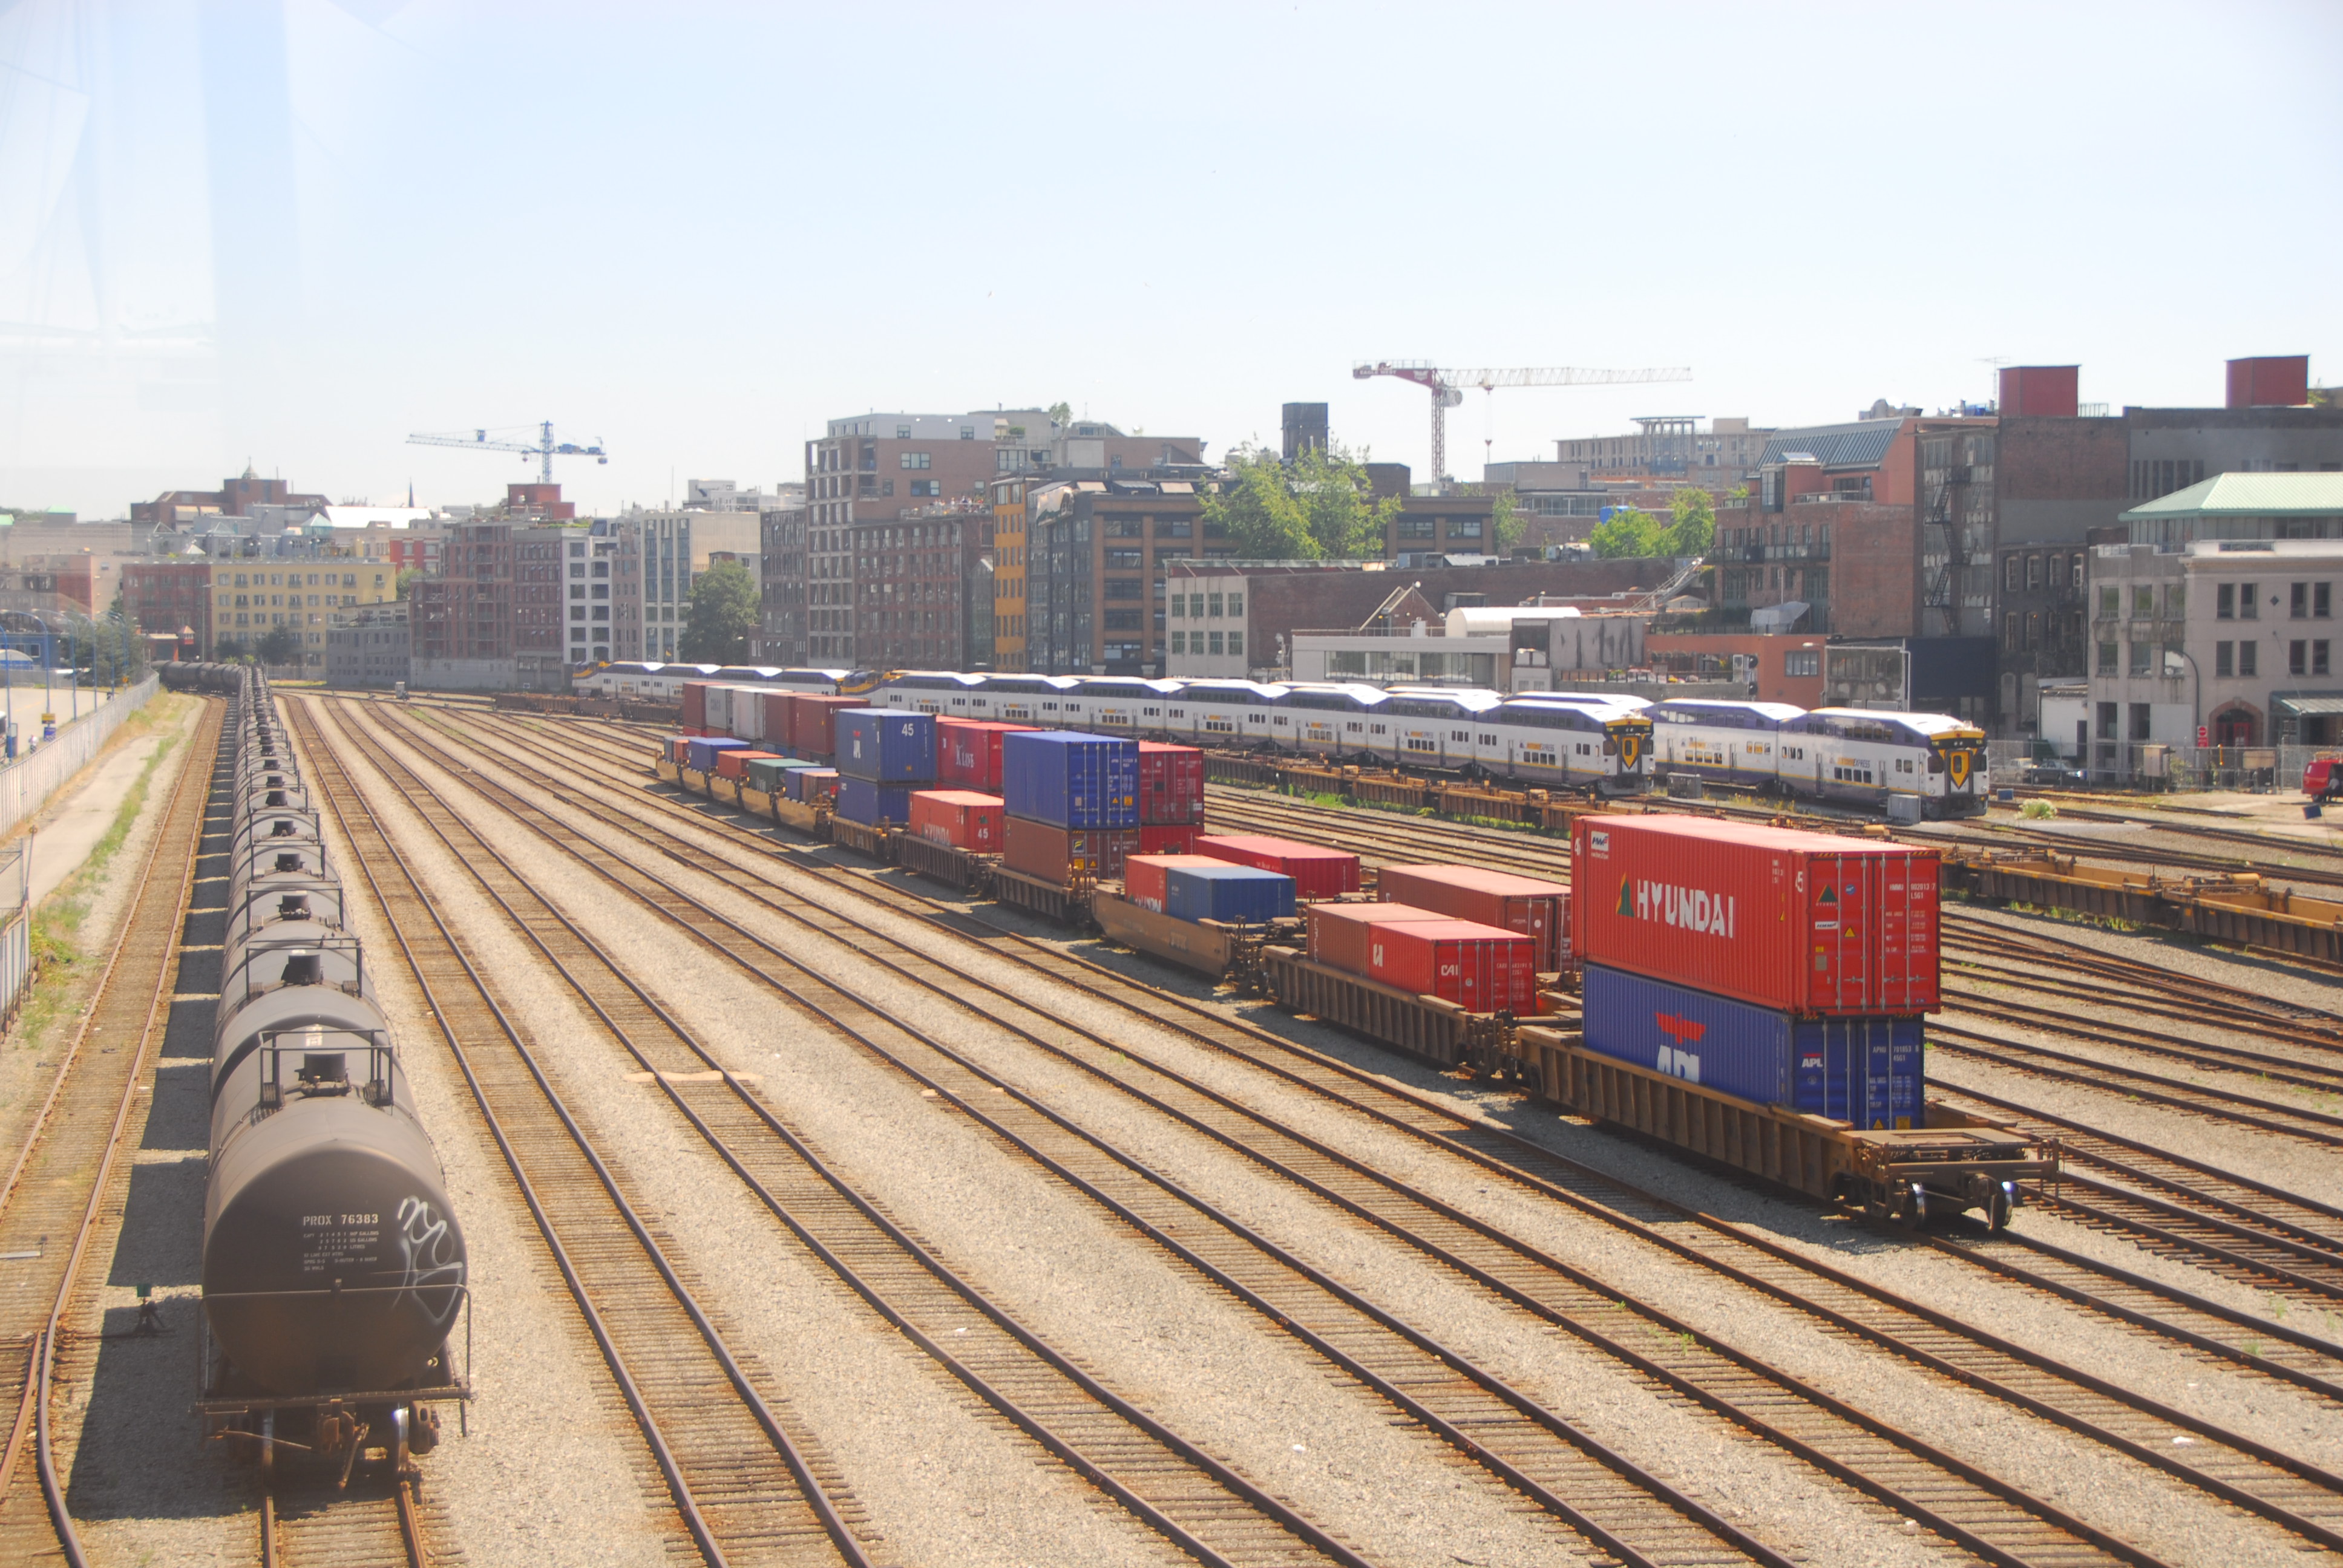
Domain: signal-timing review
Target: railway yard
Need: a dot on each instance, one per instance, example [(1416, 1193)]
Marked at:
[(821, 1212)]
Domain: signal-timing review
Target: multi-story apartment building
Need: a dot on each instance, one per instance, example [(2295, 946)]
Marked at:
[(368, 647), (1669, 447), (250, 598), (781, 588), (920, 600), (172, 598), (1095, 577), (675, 546), (1011, 499)]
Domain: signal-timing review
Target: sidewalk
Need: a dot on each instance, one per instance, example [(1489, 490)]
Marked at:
[(70, 826)]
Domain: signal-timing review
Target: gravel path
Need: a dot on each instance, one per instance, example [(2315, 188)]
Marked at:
[(2047, 1459)]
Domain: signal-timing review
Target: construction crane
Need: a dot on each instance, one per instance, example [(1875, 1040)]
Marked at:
[(544, 448), (1447, 388)]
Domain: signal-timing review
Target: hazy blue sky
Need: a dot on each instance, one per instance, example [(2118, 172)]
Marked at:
[(295, 230)]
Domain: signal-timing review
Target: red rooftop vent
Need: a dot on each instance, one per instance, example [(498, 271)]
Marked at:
[(2270, 381), (2043, 390)]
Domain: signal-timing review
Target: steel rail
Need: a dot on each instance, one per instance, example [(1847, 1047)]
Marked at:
[(1130, 1495), (687, 1503)]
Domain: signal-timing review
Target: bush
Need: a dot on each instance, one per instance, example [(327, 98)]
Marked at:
[(2037, 809)]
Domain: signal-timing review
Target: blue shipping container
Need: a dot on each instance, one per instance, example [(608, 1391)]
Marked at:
[(804, 783), (1236, 894), (1869, 1071), (869, 803), (1070, 780), (885, 744), (699, 754)]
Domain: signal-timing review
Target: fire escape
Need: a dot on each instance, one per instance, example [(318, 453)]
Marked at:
[(1944, 549)]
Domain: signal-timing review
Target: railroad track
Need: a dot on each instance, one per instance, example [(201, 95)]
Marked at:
[(1919, 1336), (2154, 993), (1163, 1480), (745, 1487), (66, 1183)]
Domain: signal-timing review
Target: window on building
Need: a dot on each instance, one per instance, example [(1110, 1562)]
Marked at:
[(2249, 657), (2143, 600), (2108, 657), (1803, 661), (2140, 723), (2322, 601), (916, 459), (1412, 528), (2297, 660), (1236, 644), (2297, 601), (1213, 602), (2110, 606), (2225, 602), (2175, 601), (1179, 642), (2319, 657), (2107, 721), (2009, 574), (2249, 601), (1217, 642), (2225, 660), (2140, 657)]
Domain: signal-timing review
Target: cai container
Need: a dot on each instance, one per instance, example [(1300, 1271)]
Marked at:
[(1340, 934), (1240, 895), (810, 713), (1807, 923), (810, 785), (734, 764), (1167, 839), (869, 802), (1479, 968), (1536, 909), (1866, 1068), (1317, 873), (967, 752), (964, 818), (701, 755), (1056, 854), (1072, 779), (1170, 784), (1142, 874), (695, 705), (886, 744)]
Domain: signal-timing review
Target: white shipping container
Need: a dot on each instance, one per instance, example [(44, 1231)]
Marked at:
[(748, 712), (718, 720)]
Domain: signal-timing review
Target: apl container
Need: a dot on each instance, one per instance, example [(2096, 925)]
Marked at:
[(886, 744), (700, 754), (810, 785), (809, 721), (869, 802), (1340, 934), (967, 752), (1241, 895), (734, 764), (964, 818), (1167, 839), (1317, 873), (1870, 1070), (1805, 923), (1056, 854), (1142, 874), (1073, 780), (1170, 784), (1479, 968), (1538, 909)]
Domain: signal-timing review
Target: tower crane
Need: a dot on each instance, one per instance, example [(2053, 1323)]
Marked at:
[(1447, 388), (544, 448)]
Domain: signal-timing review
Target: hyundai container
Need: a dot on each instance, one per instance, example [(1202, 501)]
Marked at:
[(810, 721), (1340, 933), (1804, 923), (885, 744), (810, 785), (1538, 909), (869, 802), (1057, 855), (967, 752), (1237, 895), (1072, 779), (1142, 875), (1865, 1069), (701, 755), (1170, 784), (1317, 873), (734, 764), (695, 705), (964, 819), (1167, 839), (1479, 968)]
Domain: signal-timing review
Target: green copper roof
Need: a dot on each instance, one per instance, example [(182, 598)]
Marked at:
[(2249, 496)]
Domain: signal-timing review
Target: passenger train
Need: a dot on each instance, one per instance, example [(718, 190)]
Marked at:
[(1847, 754)]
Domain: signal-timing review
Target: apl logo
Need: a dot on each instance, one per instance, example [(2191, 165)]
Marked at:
[(1674, 1059)]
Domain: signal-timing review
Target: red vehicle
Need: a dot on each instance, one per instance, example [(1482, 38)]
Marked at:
[(1808, 924), (2323, 781)]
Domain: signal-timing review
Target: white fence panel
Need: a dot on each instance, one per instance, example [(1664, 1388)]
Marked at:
[(27, 784)]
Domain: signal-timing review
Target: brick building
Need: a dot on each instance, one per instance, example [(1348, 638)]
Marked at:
[(782, 629), (1095, 577), (236, 497), (921, 599), (368, 647)]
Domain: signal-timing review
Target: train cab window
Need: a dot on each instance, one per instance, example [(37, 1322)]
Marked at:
[(1280, 721), (1460, 735), (1375, 730), (1488, 740)]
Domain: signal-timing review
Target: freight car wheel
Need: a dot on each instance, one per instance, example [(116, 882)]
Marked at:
[(1912, 1207), (1997, 1209)]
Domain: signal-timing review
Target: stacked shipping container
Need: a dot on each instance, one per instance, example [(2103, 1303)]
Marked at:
[(883, 757), (1072, 804), (1317, 873), (1538, 909)]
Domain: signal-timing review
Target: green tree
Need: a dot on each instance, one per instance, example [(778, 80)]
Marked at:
[(1061, 413), (1694, 531), (230, 650), (1504, 522), (407, 580), (1629, 534), (1322, 505), (279, 645), (723, 616)]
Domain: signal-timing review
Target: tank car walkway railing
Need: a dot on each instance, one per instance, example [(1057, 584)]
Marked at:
[(60, 1192)]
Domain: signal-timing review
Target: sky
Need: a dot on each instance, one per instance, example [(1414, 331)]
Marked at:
[(292, 232)]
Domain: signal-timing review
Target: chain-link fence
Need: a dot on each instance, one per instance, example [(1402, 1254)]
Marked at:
[(2137, 765)]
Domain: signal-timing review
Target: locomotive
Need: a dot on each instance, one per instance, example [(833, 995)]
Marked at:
[(334, 1268)]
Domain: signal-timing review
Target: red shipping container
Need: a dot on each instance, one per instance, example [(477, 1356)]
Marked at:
[(1805, 923), (960, 817), (1538, 909), (1170, 783), (776, 731), (810, 717), (1168, 839), (1056, 854), (734, 764), (1317, 873), (695, 706), (1142, 875), (967, 752), (1479, 968), (1339, 933)]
